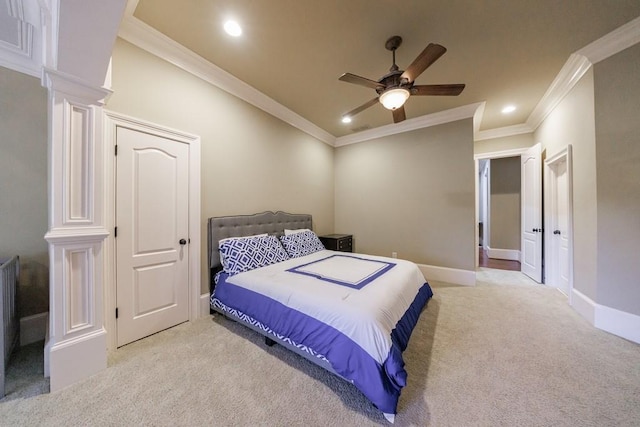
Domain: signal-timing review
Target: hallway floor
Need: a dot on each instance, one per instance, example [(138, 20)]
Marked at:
[(499, 264)]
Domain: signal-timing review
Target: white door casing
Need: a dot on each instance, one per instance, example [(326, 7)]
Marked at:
[(152, 220), (481, 171), (559, 214), (114, 122), (531, 223), (486, 185)]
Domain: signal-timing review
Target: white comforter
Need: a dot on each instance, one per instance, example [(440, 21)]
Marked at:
[(366, 315)]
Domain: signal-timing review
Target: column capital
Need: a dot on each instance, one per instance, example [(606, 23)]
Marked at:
[(75, 87)]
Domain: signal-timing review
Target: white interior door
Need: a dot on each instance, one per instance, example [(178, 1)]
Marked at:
[(152, 251), (559, 234), (531, 242)]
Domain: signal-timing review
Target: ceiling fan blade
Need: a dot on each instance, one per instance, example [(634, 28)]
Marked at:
[(362, 81), (438, 90), (399, 115), (428, 56), (361, 108)]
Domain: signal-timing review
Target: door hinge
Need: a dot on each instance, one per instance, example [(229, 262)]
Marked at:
[(116, 312), (115, 232), (116, 150)]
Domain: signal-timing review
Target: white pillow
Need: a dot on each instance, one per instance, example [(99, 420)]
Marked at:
[(299, 230)]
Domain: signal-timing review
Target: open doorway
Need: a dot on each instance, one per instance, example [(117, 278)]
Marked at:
[(484, 216), (556, 269), (498, 208)]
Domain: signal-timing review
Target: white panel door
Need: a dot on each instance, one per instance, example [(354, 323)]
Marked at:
[(152, 251), (560, 236), (531, 242)]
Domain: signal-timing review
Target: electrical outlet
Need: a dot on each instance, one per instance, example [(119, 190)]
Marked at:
[(394, 254)]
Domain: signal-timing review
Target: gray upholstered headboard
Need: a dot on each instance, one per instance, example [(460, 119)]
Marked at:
[(248, 225)]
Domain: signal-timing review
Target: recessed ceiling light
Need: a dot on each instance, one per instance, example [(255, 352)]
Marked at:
[(232, 28), (509, 109), (346, 119)]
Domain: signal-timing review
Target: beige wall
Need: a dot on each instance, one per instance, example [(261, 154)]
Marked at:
[(617, 125), (23, 185), (411, 193), (572, 122), (251, 161), (505, 203)]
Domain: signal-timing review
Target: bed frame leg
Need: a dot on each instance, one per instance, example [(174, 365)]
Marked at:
[(268, 341)]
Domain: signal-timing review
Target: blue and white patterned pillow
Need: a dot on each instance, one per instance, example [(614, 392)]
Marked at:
[(247, 253), (301, 244)]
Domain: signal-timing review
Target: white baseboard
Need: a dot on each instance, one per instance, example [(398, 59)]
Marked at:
[(33, 328), (204, 305), (617, 322), (73, 360), (509, 254), (583, 305), (449, 275)]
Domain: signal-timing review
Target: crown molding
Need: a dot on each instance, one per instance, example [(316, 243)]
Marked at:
[(446, 116), (130, 8), (570, 74), (578, 64), (147, 38), (477, 117), (612, 43)]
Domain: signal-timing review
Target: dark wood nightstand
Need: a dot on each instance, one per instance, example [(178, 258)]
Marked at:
[(338, 242)]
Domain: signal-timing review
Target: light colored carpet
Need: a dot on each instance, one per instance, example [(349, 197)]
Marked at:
[(490, 355)]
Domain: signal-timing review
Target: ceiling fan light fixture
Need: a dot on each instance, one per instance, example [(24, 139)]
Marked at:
[(346, 119), (394, 98)]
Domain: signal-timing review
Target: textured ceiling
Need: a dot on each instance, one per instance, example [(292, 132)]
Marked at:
[(506, 52)]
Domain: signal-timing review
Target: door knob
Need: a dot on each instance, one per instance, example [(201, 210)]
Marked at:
[(556, 232), (182, 242)]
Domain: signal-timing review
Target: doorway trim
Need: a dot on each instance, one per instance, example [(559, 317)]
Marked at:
[(490, 155), (112, 121), (484, 185), (566, 155)]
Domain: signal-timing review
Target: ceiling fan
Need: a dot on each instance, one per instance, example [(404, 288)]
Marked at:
[(395, 87)]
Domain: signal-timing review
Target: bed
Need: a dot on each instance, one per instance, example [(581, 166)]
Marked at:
[(9, 276), (351, 314)]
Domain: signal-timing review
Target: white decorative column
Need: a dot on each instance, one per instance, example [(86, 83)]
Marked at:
[(76, 346)]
